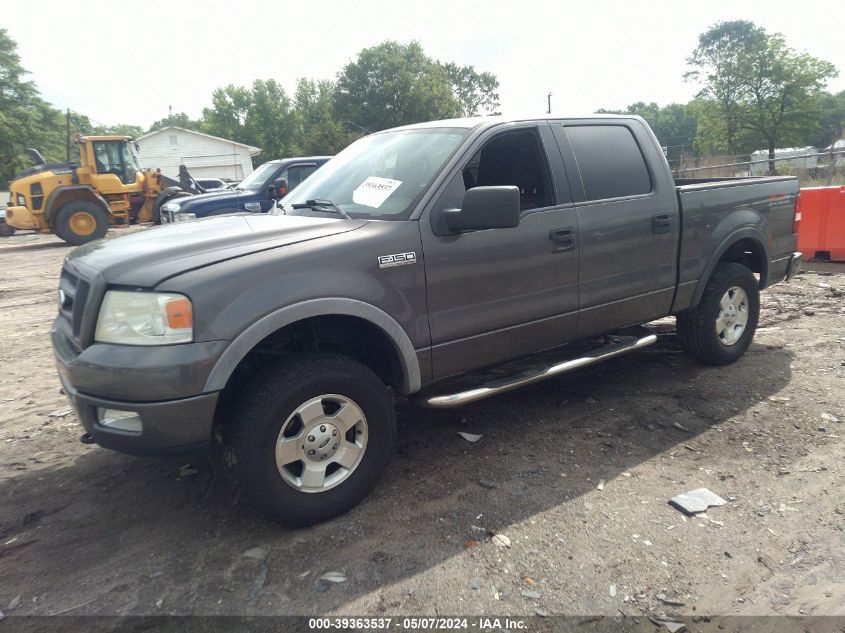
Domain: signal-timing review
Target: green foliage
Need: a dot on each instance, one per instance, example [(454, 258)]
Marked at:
[(317, 132), (389, 84), (784, 90), (674, 125), (831, 120), (26, 120), (268, 123), (719, 64), (180, 119), (476, 92), (228, 112), (394, 84), (757, 91)]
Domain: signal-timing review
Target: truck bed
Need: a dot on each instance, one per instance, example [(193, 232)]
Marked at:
[(758, 206)]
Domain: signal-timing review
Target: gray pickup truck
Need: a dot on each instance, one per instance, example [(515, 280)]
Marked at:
[(416, 255)]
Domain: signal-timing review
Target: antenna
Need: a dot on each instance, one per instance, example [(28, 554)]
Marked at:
[(549, 97)]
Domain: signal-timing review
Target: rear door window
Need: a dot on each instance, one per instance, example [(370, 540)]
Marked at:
[(610, 161), (295, 174)]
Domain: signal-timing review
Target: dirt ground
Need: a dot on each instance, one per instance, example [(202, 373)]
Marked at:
[(575, 472)]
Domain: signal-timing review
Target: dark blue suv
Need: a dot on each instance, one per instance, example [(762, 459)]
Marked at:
[(257, 192)]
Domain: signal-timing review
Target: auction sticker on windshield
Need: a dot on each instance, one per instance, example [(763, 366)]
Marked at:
[(374, 191)]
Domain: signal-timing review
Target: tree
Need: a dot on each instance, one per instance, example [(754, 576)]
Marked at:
[(784, 89), (227, 115), (120, 129), (317, 132), (719, 63), (476, 92), (831, 120), (393, 84), (674, 125), (180, 119), (26, 120), (269, 122)]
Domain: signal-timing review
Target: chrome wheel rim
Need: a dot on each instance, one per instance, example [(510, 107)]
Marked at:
[(322, 443), (733, 315)]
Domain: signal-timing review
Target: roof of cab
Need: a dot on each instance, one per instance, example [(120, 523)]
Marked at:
[(287, 160), (478, 121)]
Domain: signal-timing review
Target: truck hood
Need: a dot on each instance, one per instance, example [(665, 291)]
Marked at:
[(147, 258)]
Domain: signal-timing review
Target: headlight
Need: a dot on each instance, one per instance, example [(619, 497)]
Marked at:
[(184, 217), (21, 200), (145, 318), (172, 207)]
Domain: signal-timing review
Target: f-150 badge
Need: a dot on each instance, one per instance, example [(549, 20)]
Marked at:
[(399, 259)]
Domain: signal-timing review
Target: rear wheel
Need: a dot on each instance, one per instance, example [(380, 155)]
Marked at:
[(81, 221), (719, 330), (310, 438)]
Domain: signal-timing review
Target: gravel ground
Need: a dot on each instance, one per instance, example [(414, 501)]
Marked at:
[(560, 508)]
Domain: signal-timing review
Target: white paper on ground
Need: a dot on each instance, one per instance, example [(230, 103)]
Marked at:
[(374, 191)]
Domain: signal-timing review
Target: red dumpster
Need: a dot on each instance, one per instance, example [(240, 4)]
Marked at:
[(821, 232)]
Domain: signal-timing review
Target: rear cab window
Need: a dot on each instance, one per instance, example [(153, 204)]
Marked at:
[(609, 159)]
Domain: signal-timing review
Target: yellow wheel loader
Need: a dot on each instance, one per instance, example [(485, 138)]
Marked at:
[(79, 202)]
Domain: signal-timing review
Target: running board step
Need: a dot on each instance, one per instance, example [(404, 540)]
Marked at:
[(531, 376)]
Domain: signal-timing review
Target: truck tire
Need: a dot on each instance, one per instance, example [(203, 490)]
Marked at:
[(80, 221), (720, 328), (309, 439)]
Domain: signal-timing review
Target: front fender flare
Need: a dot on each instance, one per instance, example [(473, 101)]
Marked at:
[(748, 232), (274, 321)]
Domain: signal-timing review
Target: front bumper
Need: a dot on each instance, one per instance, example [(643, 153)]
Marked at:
[(160, 385), (175, 427)]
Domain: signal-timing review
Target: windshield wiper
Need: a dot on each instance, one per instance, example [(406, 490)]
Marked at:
[(320, 205)]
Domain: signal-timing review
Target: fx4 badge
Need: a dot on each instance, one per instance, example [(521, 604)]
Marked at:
[(399, 259)]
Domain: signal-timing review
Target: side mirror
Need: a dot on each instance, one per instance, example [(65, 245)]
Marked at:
[(279, 188), (485, 208)]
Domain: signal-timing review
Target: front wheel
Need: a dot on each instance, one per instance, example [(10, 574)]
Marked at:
[(309, 439), (81, 221), (719, 330)]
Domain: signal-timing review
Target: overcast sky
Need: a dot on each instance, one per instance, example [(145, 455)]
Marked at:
[(121, 62)]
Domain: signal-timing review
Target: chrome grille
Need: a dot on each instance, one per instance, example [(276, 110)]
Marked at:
[(73, 294)]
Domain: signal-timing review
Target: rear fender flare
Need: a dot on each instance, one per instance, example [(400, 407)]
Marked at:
[(751, 233)]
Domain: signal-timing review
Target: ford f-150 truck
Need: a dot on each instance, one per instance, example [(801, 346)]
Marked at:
[(257, 193), (417, 255)]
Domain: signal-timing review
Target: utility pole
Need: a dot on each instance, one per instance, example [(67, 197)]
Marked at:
[(549, 97), (67, 124)]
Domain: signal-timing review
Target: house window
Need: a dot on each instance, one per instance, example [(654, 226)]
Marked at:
[(174, 140)]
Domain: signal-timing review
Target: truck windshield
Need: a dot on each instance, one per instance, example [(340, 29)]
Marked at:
[(381, 176), (257, 178), (130, 161)]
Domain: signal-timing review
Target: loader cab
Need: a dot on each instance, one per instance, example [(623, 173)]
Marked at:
[(114, 167)]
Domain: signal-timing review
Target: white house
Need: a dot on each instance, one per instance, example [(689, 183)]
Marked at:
[(204, 155)]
